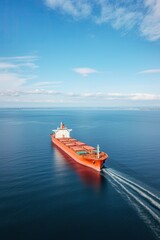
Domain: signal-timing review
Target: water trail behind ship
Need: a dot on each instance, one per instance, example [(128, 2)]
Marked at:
[(142, 199)]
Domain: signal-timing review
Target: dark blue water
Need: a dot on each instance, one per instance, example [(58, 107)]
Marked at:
[(46, 195)]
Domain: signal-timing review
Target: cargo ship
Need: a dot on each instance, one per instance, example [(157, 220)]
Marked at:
[(77, 150)]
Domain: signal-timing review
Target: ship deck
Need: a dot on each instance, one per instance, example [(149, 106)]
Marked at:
[(82, 149)]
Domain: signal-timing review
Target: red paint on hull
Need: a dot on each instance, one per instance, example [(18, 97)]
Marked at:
[(88, 159)]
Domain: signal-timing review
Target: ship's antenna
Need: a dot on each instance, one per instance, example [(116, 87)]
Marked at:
[(61, 125), (98, 151)]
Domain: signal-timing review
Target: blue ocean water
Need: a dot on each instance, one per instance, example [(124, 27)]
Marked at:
[(44, 194)]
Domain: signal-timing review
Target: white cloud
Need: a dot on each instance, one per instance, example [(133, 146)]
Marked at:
[(47, 84), (93, 95), (79, 8), (10, 81), (118, 15), (42, 94), (84, 71), (8, 66), (23, 92), (124, 19), (5, 65), (124, 14), (150, 71), (123, 96), (18, 62), (144, 96), (150, 26), (15, 71)]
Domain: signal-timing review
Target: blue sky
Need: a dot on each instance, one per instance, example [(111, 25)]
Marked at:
[(57, 53)]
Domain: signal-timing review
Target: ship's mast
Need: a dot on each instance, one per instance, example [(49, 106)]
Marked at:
[(98, 151)]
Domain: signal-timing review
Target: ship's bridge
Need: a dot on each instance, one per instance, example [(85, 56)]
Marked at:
[(62, 132)]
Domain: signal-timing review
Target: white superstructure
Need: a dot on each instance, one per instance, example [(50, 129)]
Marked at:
[(62, 132)]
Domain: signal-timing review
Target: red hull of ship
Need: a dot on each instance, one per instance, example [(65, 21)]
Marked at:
[(87, 160)]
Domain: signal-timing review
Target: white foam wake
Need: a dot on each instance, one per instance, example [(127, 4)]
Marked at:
[(139, 196), (135, 184)]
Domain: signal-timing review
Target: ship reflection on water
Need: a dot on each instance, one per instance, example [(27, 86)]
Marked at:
[(89, 176)]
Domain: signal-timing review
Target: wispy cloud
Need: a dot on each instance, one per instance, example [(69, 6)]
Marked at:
[(125, 14), (47, 84), (78, 8), (144, 96), (18, 62), (150, 71), (120, 14), (84, 71), (123, 96), (11, 81), (40, 92), (29, 58), (93, 96), (5, 65), (150, 25), (16, 70)]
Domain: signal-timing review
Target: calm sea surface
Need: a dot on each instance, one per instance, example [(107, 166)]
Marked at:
[(46, 195)]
